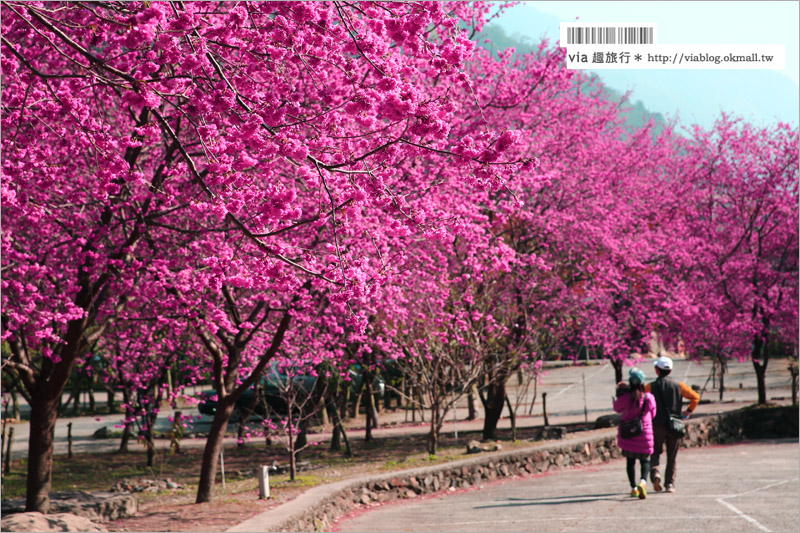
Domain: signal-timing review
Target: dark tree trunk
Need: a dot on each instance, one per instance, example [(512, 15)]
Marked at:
[(356, 405), (44, 412), (129, 414), (111, 401), (333, 414), (369, 409), (512, 415), (345, 411), (44, 402), (208, 470), (292, 449), (15, 404), (348, 451), (387, 398), (493, 408), (433, 437), (617, 364), (760, 359), (302, 437), (149, 437), (90, 390), (75, 397), (472, 412)]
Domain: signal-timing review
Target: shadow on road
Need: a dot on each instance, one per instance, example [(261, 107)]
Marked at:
[(519, 502)]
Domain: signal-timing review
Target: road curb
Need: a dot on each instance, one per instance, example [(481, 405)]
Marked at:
[(319, 507)]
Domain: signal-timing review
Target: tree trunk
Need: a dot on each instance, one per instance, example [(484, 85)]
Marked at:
[(75, 397), (617, 364), (433, 437), (44, 412), (323, 411), (302, 438), (760, 359), (333, 414), (421, 404), (413, 404), (369, 409), (129, 415), (15, 402), (151, 445), (344, 413), (374, 407), (513, 417), (348, 451), (472, 412), (90, 390), (495, 397), (387, 398), (150, 434), (292, 459), (214, 442), (111, 401)]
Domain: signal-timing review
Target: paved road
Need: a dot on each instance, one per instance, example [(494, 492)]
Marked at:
[(565, 404), (742, 487)]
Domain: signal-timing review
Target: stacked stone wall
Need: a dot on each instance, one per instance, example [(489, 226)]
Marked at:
[(599, 447)]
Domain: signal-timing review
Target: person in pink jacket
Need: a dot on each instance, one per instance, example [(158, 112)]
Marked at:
[(633, 402)]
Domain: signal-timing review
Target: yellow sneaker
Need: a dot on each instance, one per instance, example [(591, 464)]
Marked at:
[(641, 488), (634, 492)]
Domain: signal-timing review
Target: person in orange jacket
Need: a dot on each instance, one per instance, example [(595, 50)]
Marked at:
[(669, 395)]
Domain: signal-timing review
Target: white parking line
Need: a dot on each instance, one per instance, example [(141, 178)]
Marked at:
[(686, 374), (743, 515), (746, 517), (565, 389), (785, 481)]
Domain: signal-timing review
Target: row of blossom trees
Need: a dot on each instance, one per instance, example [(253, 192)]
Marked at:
[(226, 184)]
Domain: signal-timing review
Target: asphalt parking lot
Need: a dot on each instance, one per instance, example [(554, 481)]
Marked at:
[(743, 487), (575, 393)]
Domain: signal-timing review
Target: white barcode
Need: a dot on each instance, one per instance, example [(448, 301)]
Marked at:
[(610, 35)]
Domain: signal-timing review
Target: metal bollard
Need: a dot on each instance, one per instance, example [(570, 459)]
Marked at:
[(263, 482)]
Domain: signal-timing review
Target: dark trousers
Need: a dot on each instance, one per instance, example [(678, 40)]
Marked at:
[(631, 469), (662, 437)]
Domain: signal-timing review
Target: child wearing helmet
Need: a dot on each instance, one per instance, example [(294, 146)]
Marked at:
[(633, 402)]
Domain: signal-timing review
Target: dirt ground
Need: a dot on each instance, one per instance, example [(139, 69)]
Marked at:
[(175, 510)]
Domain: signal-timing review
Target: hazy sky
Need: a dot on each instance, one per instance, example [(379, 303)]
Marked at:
[(686, 22), (691, 96)]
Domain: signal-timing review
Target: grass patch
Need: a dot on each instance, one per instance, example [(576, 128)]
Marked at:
[(100, 471)]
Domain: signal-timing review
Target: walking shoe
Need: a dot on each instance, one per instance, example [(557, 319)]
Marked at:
[(642, 489), (670, 488), (656, 478), (634, 492)]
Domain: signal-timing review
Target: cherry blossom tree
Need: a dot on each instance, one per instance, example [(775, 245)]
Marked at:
[(742, 222), (581, 226), (125, 125)]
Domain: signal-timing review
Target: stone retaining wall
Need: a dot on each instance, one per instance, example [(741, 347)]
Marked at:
[(97, 506), (597, 447)]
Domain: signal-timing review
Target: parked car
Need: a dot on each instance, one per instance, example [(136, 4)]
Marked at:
[(272, 388)]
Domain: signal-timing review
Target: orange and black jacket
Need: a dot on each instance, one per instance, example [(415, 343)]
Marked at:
[(669, 396)]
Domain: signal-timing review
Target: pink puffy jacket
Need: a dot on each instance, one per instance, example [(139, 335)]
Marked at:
[(630, 409)]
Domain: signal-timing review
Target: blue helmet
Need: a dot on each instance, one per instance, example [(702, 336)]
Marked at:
[(636, 376)]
